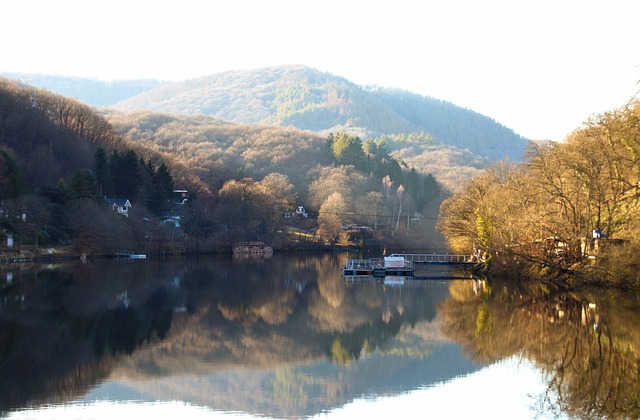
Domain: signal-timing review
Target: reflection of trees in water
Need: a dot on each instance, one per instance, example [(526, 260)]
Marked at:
[(301, 301), (54, 347), (125, 328), (64, 356), (284, 312), (587, 343), (330, 284)]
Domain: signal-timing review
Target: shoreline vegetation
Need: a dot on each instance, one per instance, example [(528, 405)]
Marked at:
[(569, 215), (70, 253)]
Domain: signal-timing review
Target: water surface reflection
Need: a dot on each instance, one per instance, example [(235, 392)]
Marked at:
[(286, 337)]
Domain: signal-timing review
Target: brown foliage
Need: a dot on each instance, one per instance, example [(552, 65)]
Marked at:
[(545, 208)]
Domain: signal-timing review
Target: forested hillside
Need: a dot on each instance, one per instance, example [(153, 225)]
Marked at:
[(303, 98), (219, 150), (455, 126), (312, 100), (60, 158), (257, 167)]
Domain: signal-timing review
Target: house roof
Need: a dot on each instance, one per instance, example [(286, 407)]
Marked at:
[(120, 202)]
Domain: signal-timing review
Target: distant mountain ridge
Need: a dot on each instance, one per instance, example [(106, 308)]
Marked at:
[(92, 92), (309, 99)]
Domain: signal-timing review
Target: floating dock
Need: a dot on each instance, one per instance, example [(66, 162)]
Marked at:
[(401, 264), (378, 267)]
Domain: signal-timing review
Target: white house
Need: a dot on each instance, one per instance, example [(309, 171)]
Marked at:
[(180, 196), (300, 211), (121, 205)]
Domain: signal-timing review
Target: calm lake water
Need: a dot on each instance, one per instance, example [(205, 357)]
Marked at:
[(289, 337)]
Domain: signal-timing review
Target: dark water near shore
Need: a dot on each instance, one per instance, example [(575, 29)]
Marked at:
[(288, 337)]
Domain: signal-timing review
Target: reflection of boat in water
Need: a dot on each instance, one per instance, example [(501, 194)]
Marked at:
[(407, 281), (396, 280), (360, 279)]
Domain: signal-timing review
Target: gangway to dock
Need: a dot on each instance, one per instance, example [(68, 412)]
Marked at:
[(451, 259)]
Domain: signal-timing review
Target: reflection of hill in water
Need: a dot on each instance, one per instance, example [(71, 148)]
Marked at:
[(284, 336), (300, 386)]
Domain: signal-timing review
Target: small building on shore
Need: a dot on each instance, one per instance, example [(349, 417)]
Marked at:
[(121, 205)]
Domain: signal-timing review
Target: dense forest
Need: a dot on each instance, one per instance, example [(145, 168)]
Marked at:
[(61, 159), (570, 207)]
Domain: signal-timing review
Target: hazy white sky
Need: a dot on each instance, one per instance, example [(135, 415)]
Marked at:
[(539, 67)]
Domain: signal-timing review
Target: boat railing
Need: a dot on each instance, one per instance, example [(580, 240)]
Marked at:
[(362, 264)]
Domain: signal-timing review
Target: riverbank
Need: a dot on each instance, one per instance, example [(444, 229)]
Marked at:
[(42, 254), (69, 253), (615, 267)]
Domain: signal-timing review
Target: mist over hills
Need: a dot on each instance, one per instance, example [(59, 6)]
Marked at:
[(304, 98), (97, 93)]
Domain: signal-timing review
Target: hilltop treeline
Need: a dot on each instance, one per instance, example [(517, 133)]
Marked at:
[(567, 201)]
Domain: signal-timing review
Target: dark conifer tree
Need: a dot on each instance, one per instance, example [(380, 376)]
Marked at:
[(9, 185), (162, 190), (83, 184), (125, 173), (103, 177)]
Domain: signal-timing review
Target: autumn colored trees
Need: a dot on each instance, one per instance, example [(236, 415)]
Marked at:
[(250, 210), (566, 197)]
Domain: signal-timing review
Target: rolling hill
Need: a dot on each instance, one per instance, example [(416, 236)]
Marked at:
[(312, 100)]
